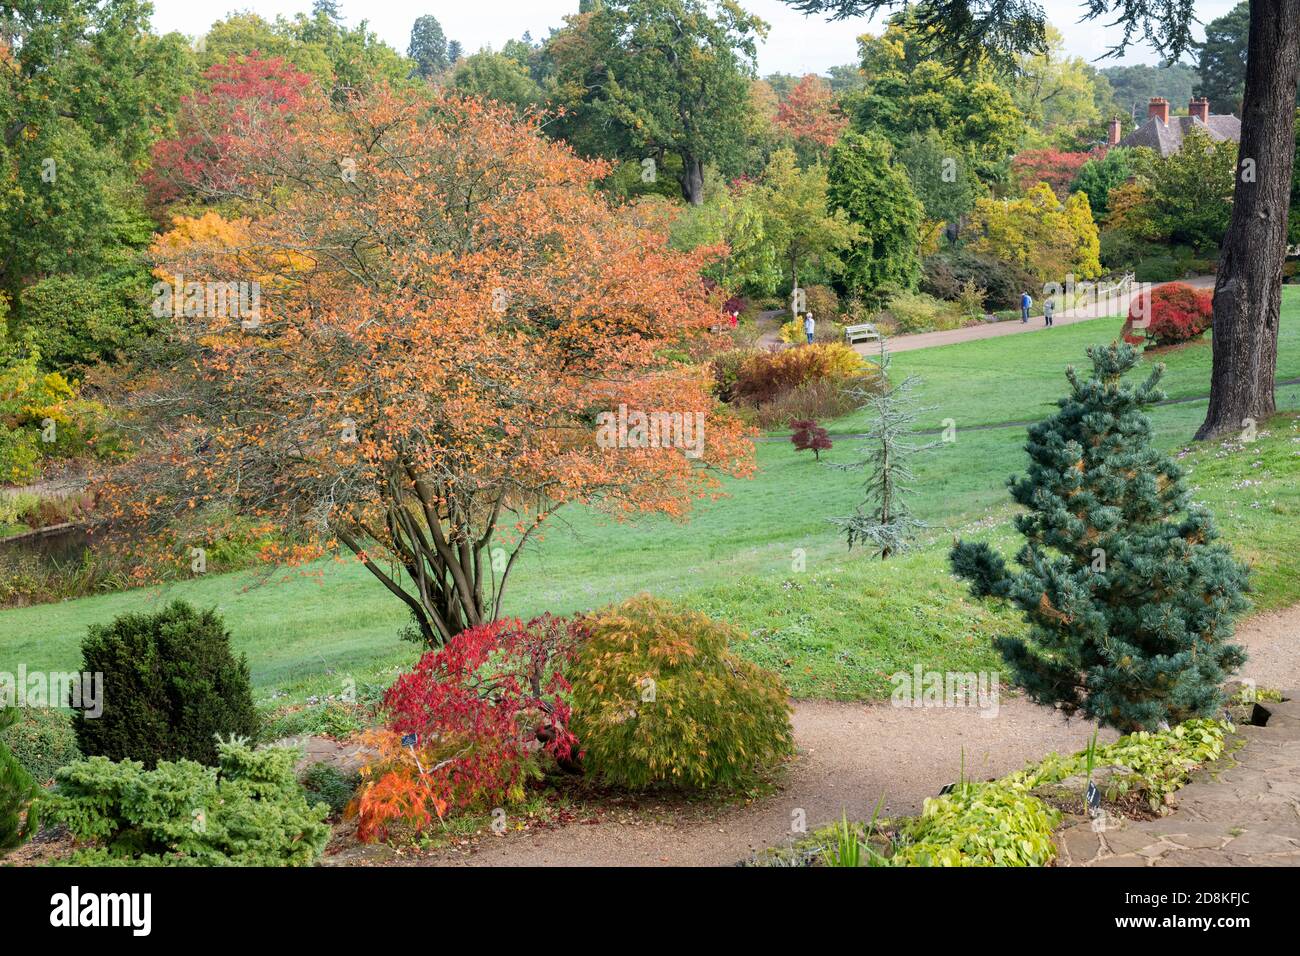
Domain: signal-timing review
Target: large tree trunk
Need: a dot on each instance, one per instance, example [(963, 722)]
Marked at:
[(692, 180), (1248, 291)]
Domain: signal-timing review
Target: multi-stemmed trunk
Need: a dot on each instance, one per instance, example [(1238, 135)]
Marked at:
[(1248, 290), (449, 580)]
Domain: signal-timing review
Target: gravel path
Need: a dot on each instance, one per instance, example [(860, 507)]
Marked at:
[(987, 330), (849, 756)]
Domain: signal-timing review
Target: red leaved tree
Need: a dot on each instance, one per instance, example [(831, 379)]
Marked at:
[(242, 105), (1174, 313), (1052, 166), (471, 724), (809, 435), (810, 116), (446, 308)]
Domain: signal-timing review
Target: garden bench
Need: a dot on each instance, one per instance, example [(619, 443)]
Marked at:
[(866, 332)]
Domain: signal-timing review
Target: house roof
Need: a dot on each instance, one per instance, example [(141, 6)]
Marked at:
[(1168, 139)]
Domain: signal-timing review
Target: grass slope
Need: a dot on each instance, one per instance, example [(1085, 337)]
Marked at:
[(836, 629)]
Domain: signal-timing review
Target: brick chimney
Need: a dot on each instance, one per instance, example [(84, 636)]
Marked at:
[(1200, 109), (1159, 108), (1116, 128)]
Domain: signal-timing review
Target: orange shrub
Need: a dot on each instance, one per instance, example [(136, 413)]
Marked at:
[(766, 375)]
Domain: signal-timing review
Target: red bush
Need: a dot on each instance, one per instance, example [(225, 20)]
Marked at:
[(1174, 313), (471, 723)]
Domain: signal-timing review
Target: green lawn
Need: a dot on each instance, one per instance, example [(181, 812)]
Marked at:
[(835, 629)]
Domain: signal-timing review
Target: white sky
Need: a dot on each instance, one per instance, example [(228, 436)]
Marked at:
[(797, 44)]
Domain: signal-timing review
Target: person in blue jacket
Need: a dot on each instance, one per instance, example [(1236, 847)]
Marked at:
[(1026, 301)]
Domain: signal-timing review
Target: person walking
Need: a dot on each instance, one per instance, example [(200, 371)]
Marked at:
[(1026, 301), (1049, 306), (809, 327)]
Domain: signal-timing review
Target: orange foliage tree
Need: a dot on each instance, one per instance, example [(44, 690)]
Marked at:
[(810, 116), (445, 306)]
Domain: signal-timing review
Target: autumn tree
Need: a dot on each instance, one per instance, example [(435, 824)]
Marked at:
[(1041, 234), (807, 435), (244, 102), (1052, 166), (447, 309), (809, 116)]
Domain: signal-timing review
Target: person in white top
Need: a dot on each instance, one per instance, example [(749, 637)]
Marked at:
[(809, 327)]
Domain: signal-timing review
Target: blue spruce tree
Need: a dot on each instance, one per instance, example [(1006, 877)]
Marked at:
[(1129, 597)]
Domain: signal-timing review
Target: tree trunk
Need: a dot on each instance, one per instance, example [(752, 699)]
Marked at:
[(1248, 291), (692, 180)]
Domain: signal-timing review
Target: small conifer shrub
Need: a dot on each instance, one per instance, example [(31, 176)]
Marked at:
[(171, 685), (1129, 595)]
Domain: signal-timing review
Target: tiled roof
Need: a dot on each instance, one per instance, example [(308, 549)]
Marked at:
[(1167, 140)]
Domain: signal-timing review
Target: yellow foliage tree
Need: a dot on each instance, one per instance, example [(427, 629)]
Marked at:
[(1039, 233)]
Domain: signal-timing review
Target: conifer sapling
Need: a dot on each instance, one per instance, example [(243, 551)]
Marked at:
[(883, 522), (1129, 596)]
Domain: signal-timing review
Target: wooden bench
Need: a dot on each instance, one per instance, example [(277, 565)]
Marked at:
[(865, 332)]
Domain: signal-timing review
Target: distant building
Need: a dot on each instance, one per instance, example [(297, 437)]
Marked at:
[(1164, 134)]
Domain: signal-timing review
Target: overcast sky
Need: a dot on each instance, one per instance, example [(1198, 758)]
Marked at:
[(797, 44)]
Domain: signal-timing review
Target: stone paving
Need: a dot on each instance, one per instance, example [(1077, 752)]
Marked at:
[(1242, 810)]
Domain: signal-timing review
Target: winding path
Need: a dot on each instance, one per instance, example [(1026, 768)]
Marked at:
[(987, 330)]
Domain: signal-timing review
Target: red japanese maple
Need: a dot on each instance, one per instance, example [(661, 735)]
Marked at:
[(810, 115), (1052, 166), (809, 435), (246, 100), (471, 723)]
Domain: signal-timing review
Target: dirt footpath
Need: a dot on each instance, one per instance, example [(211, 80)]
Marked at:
[(849, 756)]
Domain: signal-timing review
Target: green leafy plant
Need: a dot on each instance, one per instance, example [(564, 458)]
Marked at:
[(1148, 765), (848, 848), (978, 824), (171, 685), (660, 698), (247, 811), (42, 740)]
